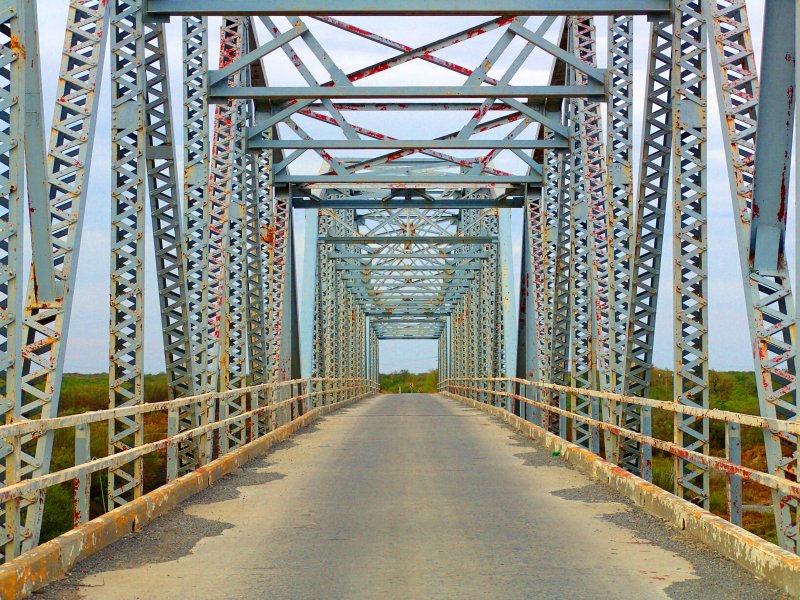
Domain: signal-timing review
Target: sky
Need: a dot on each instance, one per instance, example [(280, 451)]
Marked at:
[(87, 348)]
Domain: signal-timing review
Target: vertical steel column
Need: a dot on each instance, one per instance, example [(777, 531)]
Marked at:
[(46, 324), (233, 350), (486, 322), (562, 292), (648, 241), (165, 212), (195, 192), (758, 184), (276, 280), (196, 157), (539, 236), (129, 174), (310, 291), (530, 295), (507, 334), (256, 308), (598, 205), (326, 326), (545, 299), (619, 194), (690, 243), (224, 147), (582, 259), (12, 190)]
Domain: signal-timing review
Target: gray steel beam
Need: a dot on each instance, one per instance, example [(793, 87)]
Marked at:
[(447, 144), (407, 239), (539, 93), (400, 202), (167, 8)]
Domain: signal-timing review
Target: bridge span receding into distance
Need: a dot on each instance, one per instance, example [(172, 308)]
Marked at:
[(536, 188)]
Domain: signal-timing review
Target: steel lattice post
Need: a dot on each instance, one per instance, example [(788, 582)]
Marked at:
[(588, 180), (257, 207), (582, 363), (45, 325), (195, 190), (277, 273), (619, 193), (162, 179), (690, 243), (648, 240), (129, 173), (12, 83), (168, 235), (561, 348), (195, 228), (224, 148), (768, 294), (552, 235), (233, 350)]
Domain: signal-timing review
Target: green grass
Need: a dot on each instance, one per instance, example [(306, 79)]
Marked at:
[(83, 393), (408, 382)]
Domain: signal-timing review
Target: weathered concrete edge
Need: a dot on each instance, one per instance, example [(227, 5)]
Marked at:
[(33, 570), (762, 558)]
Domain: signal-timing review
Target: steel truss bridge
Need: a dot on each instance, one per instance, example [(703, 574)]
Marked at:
[(406, 190)]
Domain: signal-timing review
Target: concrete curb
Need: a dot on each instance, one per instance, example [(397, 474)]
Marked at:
[(34, 569), (760, 557)]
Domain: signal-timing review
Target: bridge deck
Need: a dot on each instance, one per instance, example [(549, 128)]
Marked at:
[(411, 496)]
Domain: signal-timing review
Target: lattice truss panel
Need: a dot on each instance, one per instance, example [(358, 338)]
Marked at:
[(321, 109)]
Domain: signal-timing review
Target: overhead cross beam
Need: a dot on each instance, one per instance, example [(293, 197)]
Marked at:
[(167, 8)]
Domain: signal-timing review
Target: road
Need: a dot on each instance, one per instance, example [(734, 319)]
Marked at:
[(408, 496)]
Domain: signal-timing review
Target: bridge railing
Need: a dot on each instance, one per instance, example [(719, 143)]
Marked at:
[(505, 392), (217, 433)]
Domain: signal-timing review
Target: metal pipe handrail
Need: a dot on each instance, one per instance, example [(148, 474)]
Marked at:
[(779, 484), (27, 486), (711, 413)]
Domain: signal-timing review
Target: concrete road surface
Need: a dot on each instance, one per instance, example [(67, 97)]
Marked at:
[(408, 496)]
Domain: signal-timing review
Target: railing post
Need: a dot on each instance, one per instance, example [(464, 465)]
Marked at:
[(254, 404), (733, 454), (13, 517), (173, 423), (563, 422), (223, 413), (204, 441), (535, 412), (83, 484)]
